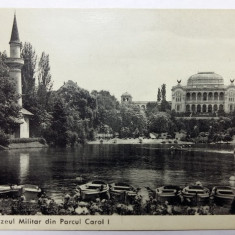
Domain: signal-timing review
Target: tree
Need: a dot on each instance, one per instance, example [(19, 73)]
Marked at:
[(152, 108), (163, 92), (133, 118), (159, 122), (107, 111), (165, 106), (59, 125), (9, 108), (44, 80), (28, 74), (158, 95), (4, 70)]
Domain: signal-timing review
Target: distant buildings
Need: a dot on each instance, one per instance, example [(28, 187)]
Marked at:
[(126, 98), (204, 94)]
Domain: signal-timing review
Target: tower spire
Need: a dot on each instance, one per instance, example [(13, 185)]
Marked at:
[(14, 33)]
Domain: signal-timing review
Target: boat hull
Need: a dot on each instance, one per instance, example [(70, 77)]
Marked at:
[(10, 191), (86, 195), (221, 200), (195, 199)]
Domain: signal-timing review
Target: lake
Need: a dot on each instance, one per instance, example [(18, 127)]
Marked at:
[(55, 169)]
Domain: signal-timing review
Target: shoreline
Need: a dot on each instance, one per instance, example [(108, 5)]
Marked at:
[(152, 141)]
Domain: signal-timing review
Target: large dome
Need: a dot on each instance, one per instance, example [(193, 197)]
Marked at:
[(206, 79)]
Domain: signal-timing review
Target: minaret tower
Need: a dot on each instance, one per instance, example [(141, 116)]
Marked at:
[(15, 62)]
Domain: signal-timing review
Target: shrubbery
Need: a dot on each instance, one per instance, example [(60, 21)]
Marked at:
[(27, 140), (4, 138)]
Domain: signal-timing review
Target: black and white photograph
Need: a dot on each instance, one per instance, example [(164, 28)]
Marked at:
[(116, 113)]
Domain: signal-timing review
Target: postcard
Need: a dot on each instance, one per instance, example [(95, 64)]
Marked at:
[(117, 119)]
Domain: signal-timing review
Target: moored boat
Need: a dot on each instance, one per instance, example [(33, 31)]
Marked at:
[(31, 192), (94, 189), (168, 193), (222, 195), (122, 191), (10, 191), (196, 194)]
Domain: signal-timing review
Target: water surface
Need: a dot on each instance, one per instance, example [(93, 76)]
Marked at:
[(55, 169)]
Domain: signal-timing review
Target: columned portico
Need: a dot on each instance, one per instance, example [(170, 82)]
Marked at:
[(205, 93)]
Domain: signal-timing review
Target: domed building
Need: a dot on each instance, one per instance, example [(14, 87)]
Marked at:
[(205, 94)]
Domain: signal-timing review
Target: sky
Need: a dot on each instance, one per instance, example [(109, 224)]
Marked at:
[(127, 50)]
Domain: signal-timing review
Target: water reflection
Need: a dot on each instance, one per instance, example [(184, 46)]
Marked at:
[(55, 170), (24, 166)]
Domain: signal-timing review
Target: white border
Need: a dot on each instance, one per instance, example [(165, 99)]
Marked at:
[(175, 4), (172, 4)]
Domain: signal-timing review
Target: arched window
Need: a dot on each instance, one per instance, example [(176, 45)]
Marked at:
[(221, 96), (199, 96), (231, 107), (204, 108), (188, 96), (221, 107), (198, 108), (193, 107), (210, 96), (177, 107), (204, 96), (178, 96), (209, 108), (193, 96), (187, 108), (231, 96), (216, 96), (215, 108)]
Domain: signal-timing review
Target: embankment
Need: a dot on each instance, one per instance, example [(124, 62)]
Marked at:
[(22, 143)]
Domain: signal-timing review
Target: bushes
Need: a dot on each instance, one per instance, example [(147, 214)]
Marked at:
[(4, 138), (27, 140)]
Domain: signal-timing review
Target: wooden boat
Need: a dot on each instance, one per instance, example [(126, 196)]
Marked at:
[(10, 191), (94, 189), (168, 193), (31, 192), (222, 194), (196, 193), (122, 191)]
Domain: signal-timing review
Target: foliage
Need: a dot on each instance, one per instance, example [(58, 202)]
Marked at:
[(27, 140), (165, 106), (4, 70), (133, 118), (152, 108), (44, 80), (4, 138), (163, 92), (28, 74), (58, 130), (159, 122), (159, 96), (9, 109)]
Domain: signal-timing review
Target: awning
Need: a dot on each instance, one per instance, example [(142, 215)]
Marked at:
[(26, 112)]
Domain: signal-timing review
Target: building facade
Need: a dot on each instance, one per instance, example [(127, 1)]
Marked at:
[(204, 94), (15, 63)]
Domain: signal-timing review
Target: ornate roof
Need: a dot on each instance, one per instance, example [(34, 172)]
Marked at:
[(126, 94), (14, 33), (206, 79)]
